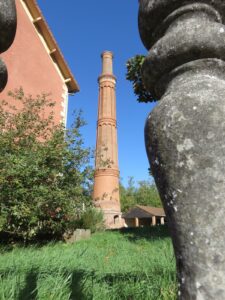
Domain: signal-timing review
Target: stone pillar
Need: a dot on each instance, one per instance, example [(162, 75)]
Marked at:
[(162, 221), (106, 179), (153, 220), (185, 134), (8, 23), (136, 221)]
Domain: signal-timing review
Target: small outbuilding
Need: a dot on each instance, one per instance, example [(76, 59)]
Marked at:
[(140, 216)]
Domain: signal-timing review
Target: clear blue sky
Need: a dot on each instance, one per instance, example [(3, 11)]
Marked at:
[(83, 30)]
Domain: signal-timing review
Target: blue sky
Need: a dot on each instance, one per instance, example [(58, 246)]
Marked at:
[(83, 30)]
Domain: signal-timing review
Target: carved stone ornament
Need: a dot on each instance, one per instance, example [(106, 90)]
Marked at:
[(185, 134), (8, 23)]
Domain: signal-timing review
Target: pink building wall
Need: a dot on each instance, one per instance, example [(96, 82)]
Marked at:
[(31, 67)]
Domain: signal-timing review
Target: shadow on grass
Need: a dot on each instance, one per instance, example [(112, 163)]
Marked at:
[(124, 285), (10, 241), (149, 233), (85, 284), (77, 286), (29, 292)]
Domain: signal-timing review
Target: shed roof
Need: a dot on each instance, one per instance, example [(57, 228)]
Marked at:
[(140, 211), (54, 50)]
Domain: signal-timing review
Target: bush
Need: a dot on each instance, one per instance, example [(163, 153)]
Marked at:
[(44, 172), (92, 219)]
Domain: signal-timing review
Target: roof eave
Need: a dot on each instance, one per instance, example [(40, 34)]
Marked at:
[(54, 50)]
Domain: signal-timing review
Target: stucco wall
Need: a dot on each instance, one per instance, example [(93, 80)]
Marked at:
[(30, 66)]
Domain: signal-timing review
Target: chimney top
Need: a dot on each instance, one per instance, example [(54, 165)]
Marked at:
[(107, 53), (107, 63)]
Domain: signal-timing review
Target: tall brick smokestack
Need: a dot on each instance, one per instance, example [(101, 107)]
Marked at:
[(106, 181)]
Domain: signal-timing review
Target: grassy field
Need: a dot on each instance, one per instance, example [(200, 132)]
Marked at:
[(131, 265)]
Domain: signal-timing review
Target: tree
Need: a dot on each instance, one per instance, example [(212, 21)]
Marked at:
[(144, 193), (134, 65), (127, 195), (147, 194), (44, 169)]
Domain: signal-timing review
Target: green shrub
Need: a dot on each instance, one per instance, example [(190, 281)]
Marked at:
[(92, 219), (43, 169)]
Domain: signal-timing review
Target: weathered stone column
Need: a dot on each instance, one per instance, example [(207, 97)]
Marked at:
[(8, 24), (153, 220), (136, 220), (185, 134)]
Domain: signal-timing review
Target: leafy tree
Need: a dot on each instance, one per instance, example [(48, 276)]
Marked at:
[(44, 172), (127, 195), (147, 194), (134, 65), (144, 193)]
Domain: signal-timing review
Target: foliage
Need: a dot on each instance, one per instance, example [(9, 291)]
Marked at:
[(102, 160), (44, 169), (134, 65), (92, 219), (135, 264), (127, 195), (145, 193)]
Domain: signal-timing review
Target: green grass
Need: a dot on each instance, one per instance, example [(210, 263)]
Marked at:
[(131, 265)]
